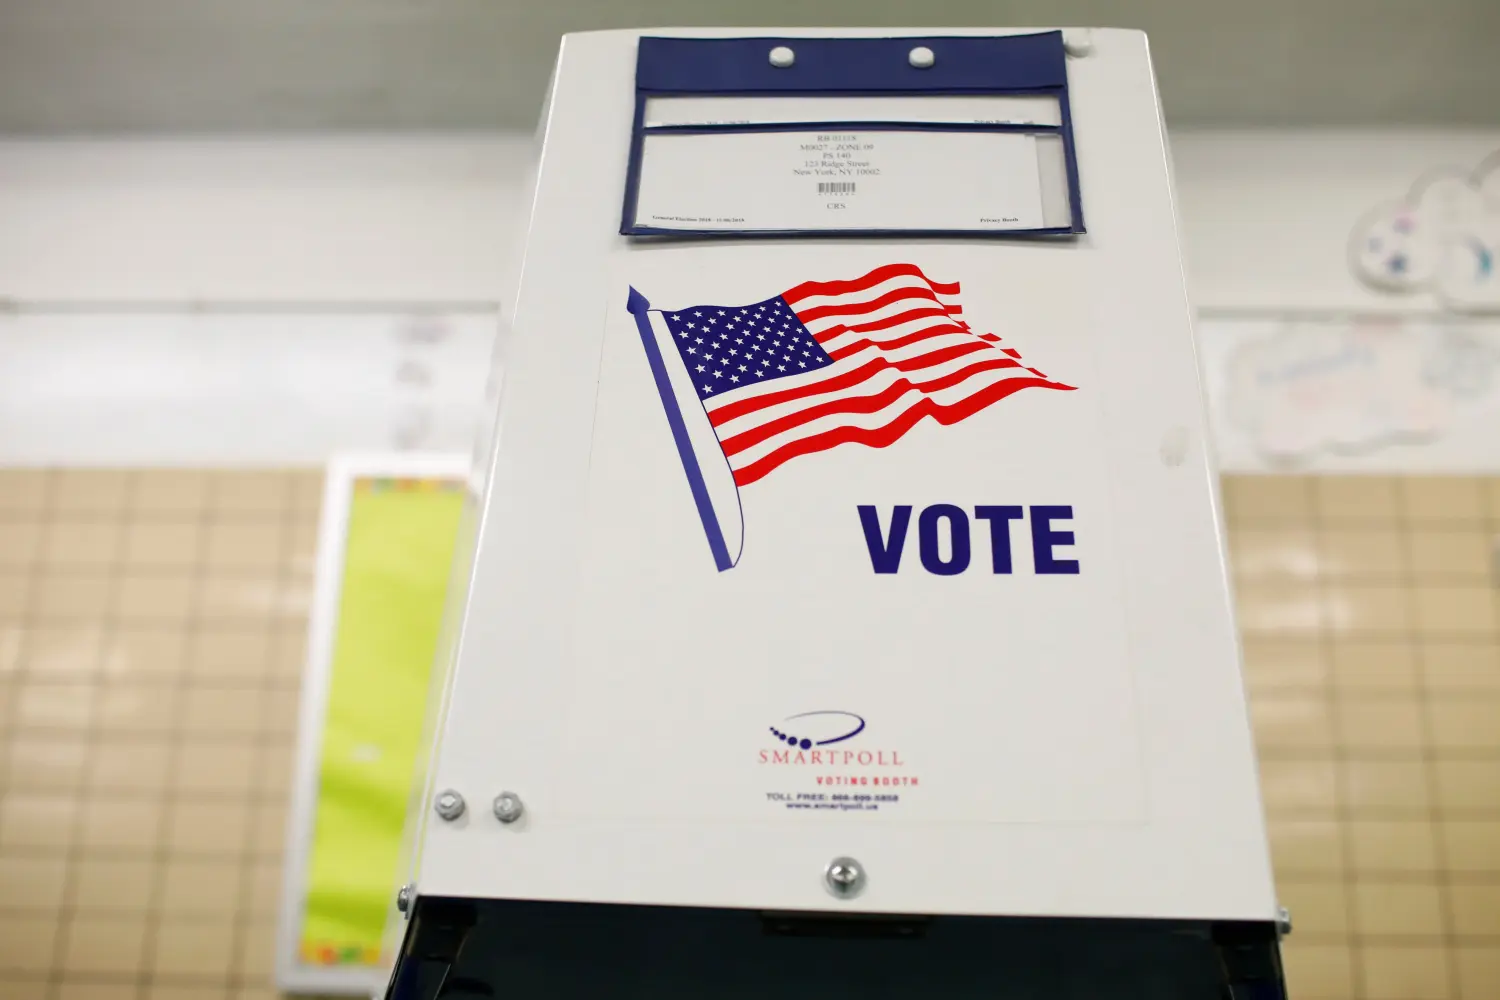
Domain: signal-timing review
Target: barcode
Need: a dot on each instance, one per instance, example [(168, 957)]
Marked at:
[(835, 187)]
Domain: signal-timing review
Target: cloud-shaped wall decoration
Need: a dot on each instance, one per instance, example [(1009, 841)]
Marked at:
[(1443, 237), (1357, 386)]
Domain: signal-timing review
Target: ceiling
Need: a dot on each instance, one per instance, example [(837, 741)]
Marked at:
[(216, 65)]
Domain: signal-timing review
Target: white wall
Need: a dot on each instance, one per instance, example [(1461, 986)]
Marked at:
[(1267, 216), (378, 219), (381, 261), (273, 220), (103, 244)]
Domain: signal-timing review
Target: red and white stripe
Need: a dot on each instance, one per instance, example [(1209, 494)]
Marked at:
[(901, 354)]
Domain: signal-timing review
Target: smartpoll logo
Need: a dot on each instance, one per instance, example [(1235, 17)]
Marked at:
[(847, 725), (823, 739)]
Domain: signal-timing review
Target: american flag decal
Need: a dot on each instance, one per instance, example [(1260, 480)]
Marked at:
[(824, 363)]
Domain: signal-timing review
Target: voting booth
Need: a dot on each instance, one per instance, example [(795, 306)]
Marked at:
[(848, 613)]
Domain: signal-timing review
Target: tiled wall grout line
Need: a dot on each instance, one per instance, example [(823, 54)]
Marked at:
[(161, 854), (249, 856), (67, 910), (24, 631), (1429, 765), (1338, 751), (24, 644)]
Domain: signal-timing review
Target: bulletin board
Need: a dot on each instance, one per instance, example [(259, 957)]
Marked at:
[(389, 526)]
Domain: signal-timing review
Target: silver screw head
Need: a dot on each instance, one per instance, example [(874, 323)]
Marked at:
[(1078, 42), (449, 805), (781, 57), (508, 807), (1283, 921), (403, 897), (844, 877), (921, 57)]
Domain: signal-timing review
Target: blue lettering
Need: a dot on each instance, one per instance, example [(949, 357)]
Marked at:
[(885, 553), (958, 533), (886, 546), (1043, 538), (999, 518)]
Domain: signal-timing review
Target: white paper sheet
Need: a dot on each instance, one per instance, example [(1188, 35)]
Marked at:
[(985, 109), (823, 180)]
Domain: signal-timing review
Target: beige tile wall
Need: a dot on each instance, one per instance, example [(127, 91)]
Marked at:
[(151, 632), (1372, 654), (151, 635)]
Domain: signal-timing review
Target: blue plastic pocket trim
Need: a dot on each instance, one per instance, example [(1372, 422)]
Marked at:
[(964, 64), (1013, 65)]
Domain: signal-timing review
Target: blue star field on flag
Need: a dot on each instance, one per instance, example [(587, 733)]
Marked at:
[(730, 348)]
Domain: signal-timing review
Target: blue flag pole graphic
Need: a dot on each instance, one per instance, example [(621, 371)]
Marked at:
[(640, 308)]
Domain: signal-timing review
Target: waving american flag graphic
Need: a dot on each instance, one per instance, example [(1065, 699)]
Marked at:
[(822, 364)]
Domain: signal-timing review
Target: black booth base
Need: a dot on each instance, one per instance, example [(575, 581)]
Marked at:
[(459, 949)]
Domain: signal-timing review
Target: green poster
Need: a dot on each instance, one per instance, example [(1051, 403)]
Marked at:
[(398, 551)]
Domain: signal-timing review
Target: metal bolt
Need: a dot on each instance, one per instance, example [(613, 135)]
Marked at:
[(921, 57), (449, 805), (508, 807), (1283, 921), (403, 897), (782, 57), (1078, 42), (845, 877)]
